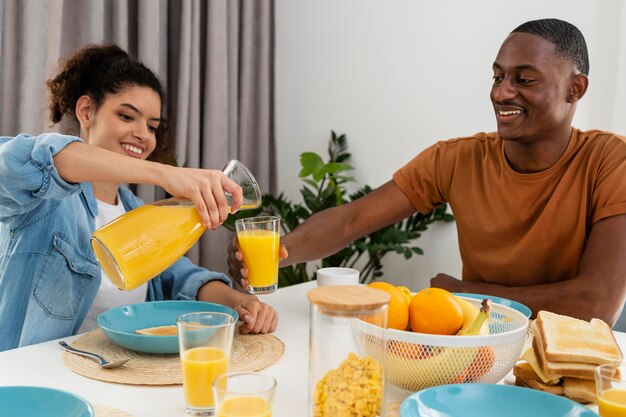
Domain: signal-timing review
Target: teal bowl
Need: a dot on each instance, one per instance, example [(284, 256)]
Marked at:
[(489, 400), (119, 324), (499, 300), (27, 401)]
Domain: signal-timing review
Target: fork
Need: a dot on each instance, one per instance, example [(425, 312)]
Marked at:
[(103, 362)]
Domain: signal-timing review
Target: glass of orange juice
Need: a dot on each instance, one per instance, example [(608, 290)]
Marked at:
[(611, 389), (259, 240), (142, 243), (244, 395), (205, 341)]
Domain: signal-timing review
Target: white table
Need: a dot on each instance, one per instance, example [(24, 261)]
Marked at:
[(41, 365)]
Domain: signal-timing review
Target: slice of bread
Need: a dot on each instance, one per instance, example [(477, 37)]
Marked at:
[(581, 390), (525, 371), (159, 331), (567, 339), (559, 369), (525, 376), (531, 359)]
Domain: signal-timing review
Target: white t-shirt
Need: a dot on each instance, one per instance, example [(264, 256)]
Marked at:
[(109, 295)]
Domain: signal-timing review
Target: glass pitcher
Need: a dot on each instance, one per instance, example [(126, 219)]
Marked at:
[(143, 242)]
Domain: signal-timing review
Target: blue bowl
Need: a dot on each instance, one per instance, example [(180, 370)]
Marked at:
[(119, 324), (25, 401), (499, 300), (489, 400)]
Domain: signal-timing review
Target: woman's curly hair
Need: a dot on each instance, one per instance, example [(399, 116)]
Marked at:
[(100, 70)]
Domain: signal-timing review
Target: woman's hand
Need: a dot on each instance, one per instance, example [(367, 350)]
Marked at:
[(237, 268), (205, 188), (257, 317)]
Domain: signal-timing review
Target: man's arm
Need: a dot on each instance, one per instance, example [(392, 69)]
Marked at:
[(330, 230), (599, 289)]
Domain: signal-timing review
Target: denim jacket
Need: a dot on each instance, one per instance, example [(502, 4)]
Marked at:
[(49, 275)]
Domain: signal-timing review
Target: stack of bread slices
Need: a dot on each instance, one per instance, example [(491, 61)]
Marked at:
[(564, 354)]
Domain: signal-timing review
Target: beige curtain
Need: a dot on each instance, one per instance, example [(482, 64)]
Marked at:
[(215, 58)]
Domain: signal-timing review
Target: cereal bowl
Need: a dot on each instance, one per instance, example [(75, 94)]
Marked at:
[(120, 324), (32, 401), (489, 400)]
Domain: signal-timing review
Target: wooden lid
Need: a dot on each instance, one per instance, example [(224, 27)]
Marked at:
[(348, 297)]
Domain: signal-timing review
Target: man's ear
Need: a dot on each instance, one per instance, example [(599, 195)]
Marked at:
[(577, 88), (85, 111)]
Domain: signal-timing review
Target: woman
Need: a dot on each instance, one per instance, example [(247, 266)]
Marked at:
[(57, 189)]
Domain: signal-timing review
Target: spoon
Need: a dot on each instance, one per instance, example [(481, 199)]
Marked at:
[(103, 362)]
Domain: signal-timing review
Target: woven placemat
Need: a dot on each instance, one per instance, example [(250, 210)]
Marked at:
[(250, 353), (106, 411)]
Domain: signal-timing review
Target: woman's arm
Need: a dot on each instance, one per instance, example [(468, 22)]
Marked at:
[(80, 162)]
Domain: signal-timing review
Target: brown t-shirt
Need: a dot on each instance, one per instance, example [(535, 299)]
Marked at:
[(520, 229)]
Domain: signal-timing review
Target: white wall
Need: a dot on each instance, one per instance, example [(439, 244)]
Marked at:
[(395, 76)]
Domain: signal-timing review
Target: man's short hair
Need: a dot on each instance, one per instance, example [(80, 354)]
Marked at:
[(568, 40)]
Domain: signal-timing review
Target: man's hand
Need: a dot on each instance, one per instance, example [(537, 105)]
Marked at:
[(237, 268), (447, 282)]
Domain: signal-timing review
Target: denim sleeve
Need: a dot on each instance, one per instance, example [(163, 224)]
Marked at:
[(28, 172), (182, 280)]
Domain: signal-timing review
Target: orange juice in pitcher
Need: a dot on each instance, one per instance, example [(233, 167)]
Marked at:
[(143, 242)]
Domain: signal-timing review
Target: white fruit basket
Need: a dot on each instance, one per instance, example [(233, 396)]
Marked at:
[(414, 361)]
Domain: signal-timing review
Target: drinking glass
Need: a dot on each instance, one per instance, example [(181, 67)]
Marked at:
[(143, 242), (611, 389), (205, 342), (244, 395), (259, 240)]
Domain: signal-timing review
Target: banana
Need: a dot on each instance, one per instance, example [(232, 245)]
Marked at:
[(413, 367), (470, 311)]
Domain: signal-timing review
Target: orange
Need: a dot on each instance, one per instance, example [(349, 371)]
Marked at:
[(435, 311), (398, 310), (407, 292)]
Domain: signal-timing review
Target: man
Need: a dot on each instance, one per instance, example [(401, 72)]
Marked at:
[(540, 206)]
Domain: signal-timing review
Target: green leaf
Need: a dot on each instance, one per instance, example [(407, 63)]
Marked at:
[(312, 183), (335, 167), (310, 200), (312, 164)]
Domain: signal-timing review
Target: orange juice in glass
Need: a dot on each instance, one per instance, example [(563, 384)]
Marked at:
[(244, 407), (244, 394), (200, 365), (205, 343), (259, 241), (611, 390)]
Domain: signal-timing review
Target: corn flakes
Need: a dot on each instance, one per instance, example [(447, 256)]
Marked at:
[(354, 389)]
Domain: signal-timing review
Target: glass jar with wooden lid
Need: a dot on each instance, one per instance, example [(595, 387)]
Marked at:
[(342, 379)]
